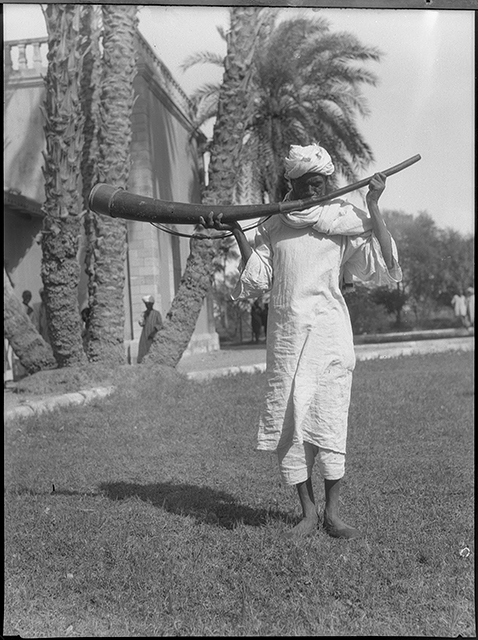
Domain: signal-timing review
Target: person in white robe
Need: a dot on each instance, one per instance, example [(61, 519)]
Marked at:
[(301, 258), (458, 302)]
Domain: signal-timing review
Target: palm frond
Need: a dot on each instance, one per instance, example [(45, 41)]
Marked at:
[(204, 92), (221, 31), (302, 83), (202, 57)]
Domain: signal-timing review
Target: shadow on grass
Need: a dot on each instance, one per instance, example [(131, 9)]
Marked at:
[(20, 490), (207, 505)]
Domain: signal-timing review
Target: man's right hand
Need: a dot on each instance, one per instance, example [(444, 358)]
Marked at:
[(215, 222)]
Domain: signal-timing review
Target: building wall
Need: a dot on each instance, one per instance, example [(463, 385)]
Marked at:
[(164, 166), (23, 136), (22, 253), (22, 171)]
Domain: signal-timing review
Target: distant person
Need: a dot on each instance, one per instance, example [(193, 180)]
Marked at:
[(29, 310), (265, 313), (470, 306), (151, 322), (85, 314), (42, 319), (458, 303), (256, 320)]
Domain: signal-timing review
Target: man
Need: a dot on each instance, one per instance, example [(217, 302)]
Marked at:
[(265, 313), (459, 305), (29, 310), (151, 322), (256, 320), (302, 258), (85, 315)]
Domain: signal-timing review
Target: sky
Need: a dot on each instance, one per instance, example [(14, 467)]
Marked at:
[(423, 103)]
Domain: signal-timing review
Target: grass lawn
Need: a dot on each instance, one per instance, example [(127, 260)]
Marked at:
[(149, 513)]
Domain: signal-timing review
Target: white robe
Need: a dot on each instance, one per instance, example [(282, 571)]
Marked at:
[(310, 353)]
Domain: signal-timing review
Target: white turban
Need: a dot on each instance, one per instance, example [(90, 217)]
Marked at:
[(310, 159), (148, 299)]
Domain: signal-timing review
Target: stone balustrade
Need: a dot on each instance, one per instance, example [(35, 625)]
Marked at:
[(25, 57)]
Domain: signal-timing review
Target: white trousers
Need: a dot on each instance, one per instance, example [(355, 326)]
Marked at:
[(297, 460)]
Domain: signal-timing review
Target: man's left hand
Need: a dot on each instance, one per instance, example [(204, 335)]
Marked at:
[(376, 187)]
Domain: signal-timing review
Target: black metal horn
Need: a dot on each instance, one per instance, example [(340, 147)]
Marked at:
[(118, 203)]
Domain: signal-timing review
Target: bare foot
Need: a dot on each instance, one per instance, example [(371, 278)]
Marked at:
[(337, 528), (306, 527)]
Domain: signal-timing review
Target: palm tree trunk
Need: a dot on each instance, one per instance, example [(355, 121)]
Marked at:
[(106, 290), (90, 97), (33, 352), (60, 270), (229, 131), (171, 341)]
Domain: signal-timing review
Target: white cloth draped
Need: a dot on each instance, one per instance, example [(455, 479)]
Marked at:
[(309, 159), (310, 353), (336, 217)]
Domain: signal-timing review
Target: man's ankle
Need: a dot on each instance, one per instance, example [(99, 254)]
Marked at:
[(330, 513), (310, 515)]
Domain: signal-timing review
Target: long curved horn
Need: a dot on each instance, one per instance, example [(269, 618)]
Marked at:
[(118, 203)]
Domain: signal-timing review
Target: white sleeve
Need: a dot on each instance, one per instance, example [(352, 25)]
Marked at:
[(256, 275), (363, 259), (341, 218)]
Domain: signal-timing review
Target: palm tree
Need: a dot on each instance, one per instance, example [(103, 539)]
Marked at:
[(304, 87), (73, 32), (312, 95), (108, 235), (229, 133), (171, 341), (62, 222)]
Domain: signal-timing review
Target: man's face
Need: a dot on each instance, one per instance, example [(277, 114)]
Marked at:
[(310, 185)]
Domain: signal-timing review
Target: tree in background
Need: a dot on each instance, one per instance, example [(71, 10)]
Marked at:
[(366, 316), (63, 128), (307, 88), (457, 263), (393, 300), (435, 262), (303, 85), (107, 236)]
